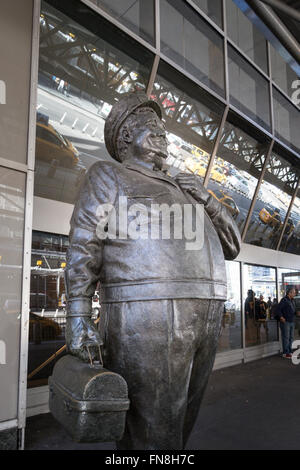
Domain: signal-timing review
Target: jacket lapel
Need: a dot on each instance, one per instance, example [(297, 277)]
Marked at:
[(152, 174)]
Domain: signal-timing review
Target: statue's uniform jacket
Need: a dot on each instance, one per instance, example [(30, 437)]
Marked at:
[(163, 302), (143, 269)]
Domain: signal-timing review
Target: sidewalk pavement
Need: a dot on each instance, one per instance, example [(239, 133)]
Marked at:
[(248, 406)]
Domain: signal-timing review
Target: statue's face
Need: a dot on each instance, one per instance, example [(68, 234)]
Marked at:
[(148, 139)]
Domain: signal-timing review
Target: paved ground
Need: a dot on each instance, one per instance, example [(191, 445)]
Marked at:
[(249, 406)]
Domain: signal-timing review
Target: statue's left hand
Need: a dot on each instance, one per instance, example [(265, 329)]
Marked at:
[(192, 185), (82, 338)]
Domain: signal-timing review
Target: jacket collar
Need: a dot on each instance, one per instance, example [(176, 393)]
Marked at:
[(151, 173)]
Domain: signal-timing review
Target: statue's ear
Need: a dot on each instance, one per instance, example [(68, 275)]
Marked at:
[(126, 135)]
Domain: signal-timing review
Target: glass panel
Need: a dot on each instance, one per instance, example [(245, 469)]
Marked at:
[(236, 170), (291, 237), (47, 305), (259, 290), (192, 43), (249, 90), (231, 333), (212, 8), (192, 120), (291, 278), (80, 77), (12, 203), (282, 74), (273, 201), (138, 16), (287, 121), (246, 36)]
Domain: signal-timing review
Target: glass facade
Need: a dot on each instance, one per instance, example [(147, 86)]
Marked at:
[(286, 120), (279, 183), (249, 90), (48, 302), (291, 278), (212, 8), (291, 238), (259, 295), (84, 66), (246, 36), (47, 305), (192, 44), (282, 74), (236, 170), (80, 77), (138, 16), (87, 63), (192, 120), (231, 333)]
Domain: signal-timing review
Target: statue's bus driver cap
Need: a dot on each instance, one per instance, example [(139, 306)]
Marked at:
[(120, 112)]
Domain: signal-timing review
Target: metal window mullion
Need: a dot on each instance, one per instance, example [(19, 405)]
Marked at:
[(216, 146), (152, 75), (28, 217), (24, 329), (271, 90), (277, 297), (226, 67), (157, 25), (260, 180), (287, 216), (242, 308)]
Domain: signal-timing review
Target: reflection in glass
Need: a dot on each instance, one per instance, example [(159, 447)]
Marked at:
[(48, 305), (282, 74), (80, 77), (291, 237), (291, 278), (246, 36), (231, 333), (192, 43), (138, 16), (12, 203), (212, 8), (260, 295), (287, 121), (236, 170), (270, 209), (192, 120), (249, 90)]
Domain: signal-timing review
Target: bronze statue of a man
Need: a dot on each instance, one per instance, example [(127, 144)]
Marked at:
[(161, 303)]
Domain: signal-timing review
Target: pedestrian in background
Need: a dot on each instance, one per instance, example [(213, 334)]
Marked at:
[(286, 314)]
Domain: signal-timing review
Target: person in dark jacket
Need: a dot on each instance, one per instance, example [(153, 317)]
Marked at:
[(286, 314)]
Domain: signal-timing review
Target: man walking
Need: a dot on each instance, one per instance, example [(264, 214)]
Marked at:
[(286, 314)]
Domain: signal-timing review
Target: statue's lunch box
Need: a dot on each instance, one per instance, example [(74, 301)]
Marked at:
[(89, 401)]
